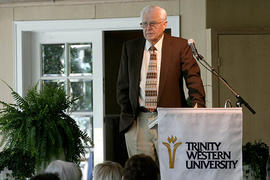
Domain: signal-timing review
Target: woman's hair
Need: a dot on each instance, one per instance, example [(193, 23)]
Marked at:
[(141, 167), (108, 170), (65, 170)]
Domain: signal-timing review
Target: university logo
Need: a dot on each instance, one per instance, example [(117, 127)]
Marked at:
[(172, 143)]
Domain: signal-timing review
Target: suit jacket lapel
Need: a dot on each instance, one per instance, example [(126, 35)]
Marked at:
[(165, 62)]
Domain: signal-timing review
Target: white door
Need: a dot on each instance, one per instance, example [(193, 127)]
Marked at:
[(73, 60)]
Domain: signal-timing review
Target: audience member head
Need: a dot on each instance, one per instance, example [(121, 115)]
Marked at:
[(45, 176), (108, 170), (141, 167), (65, 170)]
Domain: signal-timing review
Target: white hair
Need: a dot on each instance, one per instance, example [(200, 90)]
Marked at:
[(147, 9), (108, 170), (64, 170)]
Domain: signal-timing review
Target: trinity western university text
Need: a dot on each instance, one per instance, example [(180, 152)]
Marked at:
[(207, 155)]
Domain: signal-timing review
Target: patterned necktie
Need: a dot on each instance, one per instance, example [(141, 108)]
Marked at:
[(151, 82)]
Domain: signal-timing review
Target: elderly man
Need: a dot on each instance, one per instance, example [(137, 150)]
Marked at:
[(151, 75)]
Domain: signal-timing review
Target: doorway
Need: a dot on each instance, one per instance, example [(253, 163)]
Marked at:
[(114, 143)]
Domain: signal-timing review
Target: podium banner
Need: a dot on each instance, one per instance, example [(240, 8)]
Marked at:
[(200, 143)]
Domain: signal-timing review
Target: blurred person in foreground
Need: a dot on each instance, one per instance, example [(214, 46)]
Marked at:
[(65, 170), (108, 170), (141, 167)]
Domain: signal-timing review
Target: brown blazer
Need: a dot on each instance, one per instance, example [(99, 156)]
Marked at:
[(177, 62)]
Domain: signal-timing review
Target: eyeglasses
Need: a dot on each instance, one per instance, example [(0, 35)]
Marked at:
[(151, 24)]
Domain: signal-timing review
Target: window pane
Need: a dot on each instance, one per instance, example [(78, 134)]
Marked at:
[(81, 89), (53, 62), (85, 123), (54, 83), (80, 55)]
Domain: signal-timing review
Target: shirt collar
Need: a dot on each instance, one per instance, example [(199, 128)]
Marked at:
[(158, 45)]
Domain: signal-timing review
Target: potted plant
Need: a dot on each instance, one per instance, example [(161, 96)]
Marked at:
[(255, 156), (38, 125), (21, 163)]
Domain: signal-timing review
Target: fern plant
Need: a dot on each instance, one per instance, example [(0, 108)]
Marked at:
[(21, 163), (38, 124)]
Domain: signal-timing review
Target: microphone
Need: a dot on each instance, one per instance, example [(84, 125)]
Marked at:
[(191, 43)]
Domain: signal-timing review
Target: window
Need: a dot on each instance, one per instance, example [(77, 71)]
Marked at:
[(69, 65)]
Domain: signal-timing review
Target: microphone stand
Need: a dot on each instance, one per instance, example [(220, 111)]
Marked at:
[(240, 100)]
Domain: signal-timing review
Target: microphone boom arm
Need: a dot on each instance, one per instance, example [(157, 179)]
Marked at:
[(240, 100)]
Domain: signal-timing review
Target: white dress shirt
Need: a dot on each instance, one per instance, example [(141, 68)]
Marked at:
[(144, 68)]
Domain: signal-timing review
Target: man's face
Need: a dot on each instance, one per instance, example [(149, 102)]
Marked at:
[(153, 26)]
